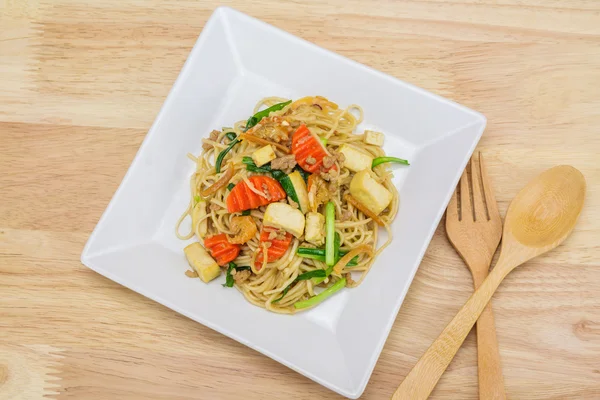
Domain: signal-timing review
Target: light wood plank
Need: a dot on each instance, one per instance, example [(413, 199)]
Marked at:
[(81, 83)]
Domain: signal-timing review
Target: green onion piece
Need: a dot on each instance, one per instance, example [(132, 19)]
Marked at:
[(230, 187), (336, 248), (278, 174), (308, 251), (329, 233), (324, 141), (223, 153), (381, 160), (229, 278), (254, 168), (255, 119), (196, 199), (251, 166), (302, 277), (230, 135), (319, 254), (352, 263), (247, 212), (313, 301)]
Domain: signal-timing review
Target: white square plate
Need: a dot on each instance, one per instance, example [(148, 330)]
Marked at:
[(225, 75)]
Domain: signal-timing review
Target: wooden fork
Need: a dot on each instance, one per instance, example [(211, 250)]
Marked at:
[(474, 228)]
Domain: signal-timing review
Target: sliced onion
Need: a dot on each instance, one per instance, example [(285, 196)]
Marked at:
[(221, 182), (350, 255), (364, 210)]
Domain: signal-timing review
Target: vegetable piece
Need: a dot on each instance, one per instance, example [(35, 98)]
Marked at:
[(230, 135), (263, 155), (356, 160), (244, 229), (324, 141), (246, 212), (222, 181), (370, 193), (317, 192), (329, 233), (336, 252), (381, 160), (199, 259), (278, 245), (317, 273), (199, 225), (319, 254), (313, 301), (293, 184), (255, 119), (321, 257), (221, 249), (302, 172), (286, 184), (364, 210), (300, 191), (374, 138), (337, 241), (315, 228), (229, 280), (224, 152), (286, 217), (242, 198), (256, 139), (308, 150), (230, 186), (344, 261)]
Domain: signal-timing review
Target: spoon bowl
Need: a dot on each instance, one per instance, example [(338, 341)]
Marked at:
[(540, 217), (543, 214)]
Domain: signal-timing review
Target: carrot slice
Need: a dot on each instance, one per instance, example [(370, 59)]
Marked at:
[(277, 248), (220, 249), (304, 146), (241, 198)]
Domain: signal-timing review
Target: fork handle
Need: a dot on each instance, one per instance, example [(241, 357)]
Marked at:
[(421, 380), (491, 381)]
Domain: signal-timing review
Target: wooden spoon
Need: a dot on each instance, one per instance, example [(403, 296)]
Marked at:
[(539, 218)]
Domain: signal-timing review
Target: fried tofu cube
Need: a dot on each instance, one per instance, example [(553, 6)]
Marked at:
[(202, 262)]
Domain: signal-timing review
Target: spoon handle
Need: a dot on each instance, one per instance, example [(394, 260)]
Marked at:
[(421, 380)]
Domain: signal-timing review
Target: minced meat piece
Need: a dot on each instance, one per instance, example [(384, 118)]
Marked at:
[(349, 280), (241, 276), (285, 163), (214, 135), (328, 161), (346, 215)]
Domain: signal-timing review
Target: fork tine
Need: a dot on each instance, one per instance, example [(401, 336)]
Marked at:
[(478, 204), (465, 198), (488, 191)]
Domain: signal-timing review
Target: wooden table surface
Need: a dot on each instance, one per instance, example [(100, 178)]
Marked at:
[(81, 83)]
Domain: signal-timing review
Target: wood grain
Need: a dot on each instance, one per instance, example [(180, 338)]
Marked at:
[(539, 218), (81, 83)]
